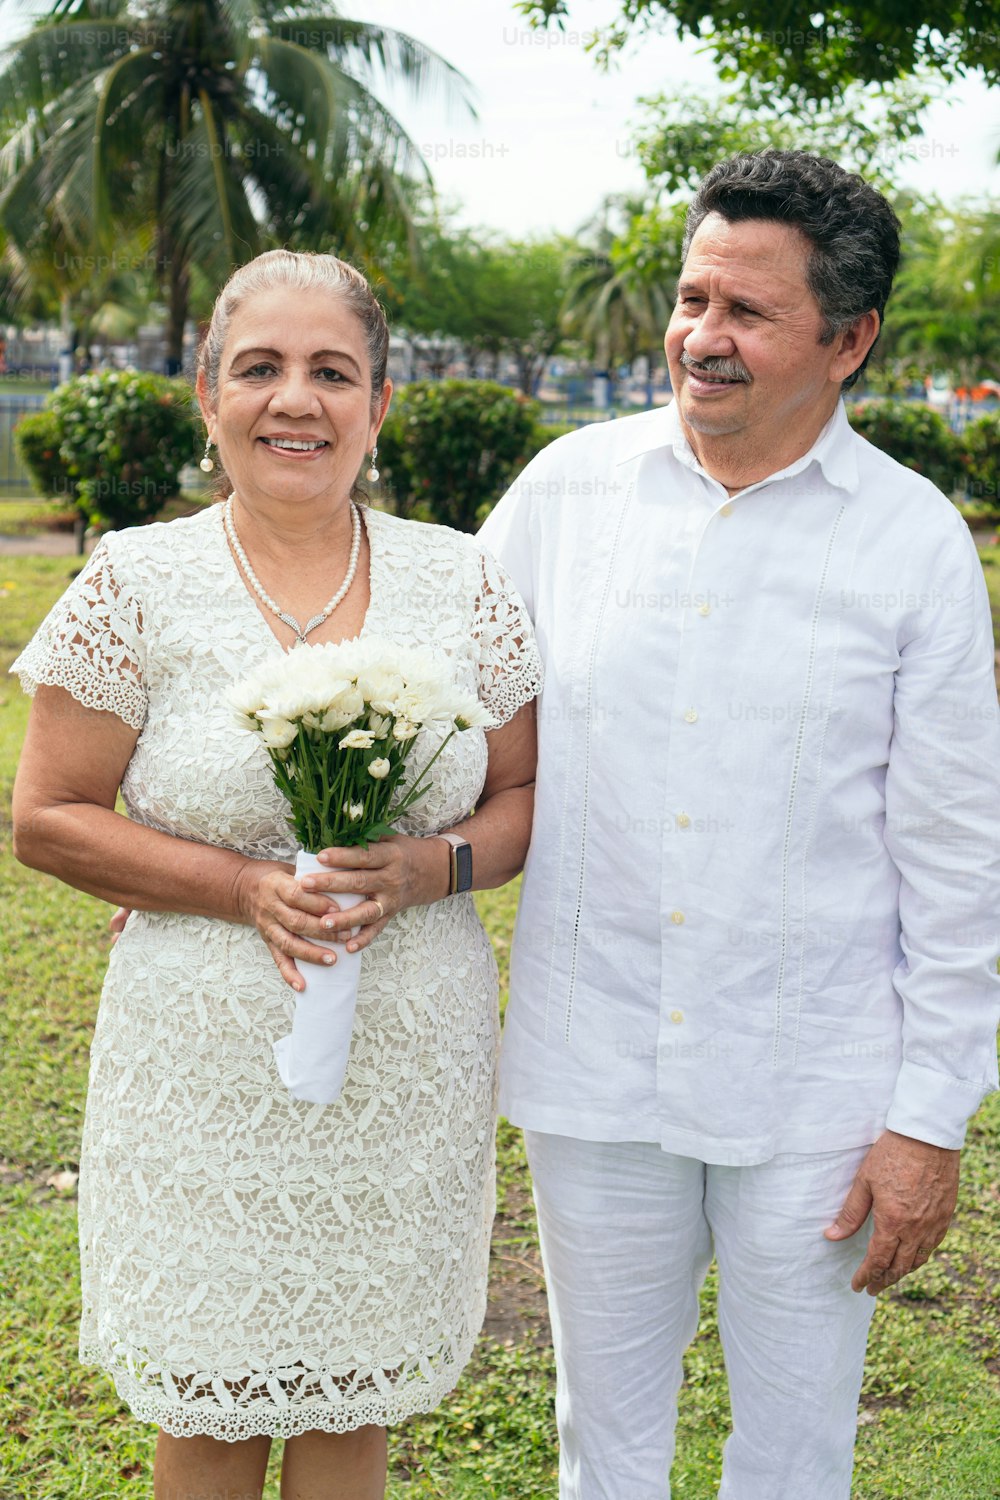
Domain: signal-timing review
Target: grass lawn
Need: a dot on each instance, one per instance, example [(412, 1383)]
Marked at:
[(25, 515), (930, 1418), (15, 384)]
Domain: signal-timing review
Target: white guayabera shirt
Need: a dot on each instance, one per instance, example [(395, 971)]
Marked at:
[(761, 910)]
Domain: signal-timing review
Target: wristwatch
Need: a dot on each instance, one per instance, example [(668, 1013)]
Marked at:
[(461, 862)]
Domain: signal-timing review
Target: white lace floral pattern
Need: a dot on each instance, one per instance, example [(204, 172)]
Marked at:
[(252, 1264)]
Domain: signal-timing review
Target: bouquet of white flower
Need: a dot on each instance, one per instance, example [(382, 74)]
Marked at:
[(339, 723)]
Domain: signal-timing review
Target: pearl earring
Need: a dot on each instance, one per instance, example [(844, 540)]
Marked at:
[(206, 465), (372, 473)]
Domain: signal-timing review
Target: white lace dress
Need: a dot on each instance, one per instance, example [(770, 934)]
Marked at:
[(252, 1264)]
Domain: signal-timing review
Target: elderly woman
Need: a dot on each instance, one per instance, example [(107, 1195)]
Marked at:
[(254, 1266)]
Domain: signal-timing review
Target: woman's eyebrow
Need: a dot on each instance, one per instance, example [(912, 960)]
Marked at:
[(276, 354)]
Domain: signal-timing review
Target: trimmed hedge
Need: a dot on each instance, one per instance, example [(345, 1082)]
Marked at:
[(981, 442), (112, 443), (36, 439), (914, 435), (449, 448)]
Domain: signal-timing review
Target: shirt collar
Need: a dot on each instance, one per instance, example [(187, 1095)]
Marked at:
[(834, 450)]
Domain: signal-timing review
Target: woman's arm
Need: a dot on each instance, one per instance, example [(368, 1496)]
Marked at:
[(68, 778)]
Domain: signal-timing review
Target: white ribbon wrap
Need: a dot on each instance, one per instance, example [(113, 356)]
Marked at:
[(312, 1059)]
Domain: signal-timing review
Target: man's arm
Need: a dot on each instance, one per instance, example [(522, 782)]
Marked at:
[(942, 830)]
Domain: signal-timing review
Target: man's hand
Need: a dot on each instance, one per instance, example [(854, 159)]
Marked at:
[(912, 1188), (116, 924)]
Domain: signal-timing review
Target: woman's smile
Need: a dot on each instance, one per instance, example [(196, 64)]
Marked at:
[(289, 446)]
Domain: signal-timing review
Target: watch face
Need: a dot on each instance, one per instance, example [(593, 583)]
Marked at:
[(463, 868)]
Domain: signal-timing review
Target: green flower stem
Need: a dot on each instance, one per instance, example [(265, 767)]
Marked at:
[(318, 779), (416, 790)]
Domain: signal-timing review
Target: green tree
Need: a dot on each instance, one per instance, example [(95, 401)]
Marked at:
[(431, 287), (99, 298), (869, 130), (620, 292), (944, 312), (492, 297), (817, 51), (227, 124), (519, 295)]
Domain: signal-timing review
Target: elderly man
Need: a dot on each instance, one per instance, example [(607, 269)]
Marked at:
[(753, 988)]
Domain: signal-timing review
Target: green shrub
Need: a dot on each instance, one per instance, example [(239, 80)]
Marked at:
[(449, 448), (36, 439), (122, 438), (914, 435), (981, 453), (547, 432)]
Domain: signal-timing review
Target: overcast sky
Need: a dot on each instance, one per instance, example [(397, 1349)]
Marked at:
[(553, 133)]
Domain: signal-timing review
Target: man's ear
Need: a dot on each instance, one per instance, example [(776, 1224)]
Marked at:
[(852, 344)]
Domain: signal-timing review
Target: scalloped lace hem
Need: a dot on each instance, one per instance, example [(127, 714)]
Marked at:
[(107, 696), (204, 1417)]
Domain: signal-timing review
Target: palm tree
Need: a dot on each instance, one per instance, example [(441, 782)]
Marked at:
[(944, 311), (228, 125), (620, 293)]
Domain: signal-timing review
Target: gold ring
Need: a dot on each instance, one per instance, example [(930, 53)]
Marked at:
[(381, 909)]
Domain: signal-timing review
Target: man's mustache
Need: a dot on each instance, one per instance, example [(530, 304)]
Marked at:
[(715, 364)]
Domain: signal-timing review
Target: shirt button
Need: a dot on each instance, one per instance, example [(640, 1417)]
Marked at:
[(704, 609), (725, 510), (677, 917), (690, 717), (677, 1017), (683, 821)]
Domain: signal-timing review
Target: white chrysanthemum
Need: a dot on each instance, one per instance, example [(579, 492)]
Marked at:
[(469, 713), (332, 686), (277, 733), (342, 713), (379, 768), (246, 698), (358, 739), (354, 810), (381, 687)]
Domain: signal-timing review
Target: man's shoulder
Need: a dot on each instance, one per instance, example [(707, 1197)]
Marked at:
[(889, 488)]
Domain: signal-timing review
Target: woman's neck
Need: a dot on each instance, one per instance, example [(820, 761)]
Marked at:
[(294, 532)]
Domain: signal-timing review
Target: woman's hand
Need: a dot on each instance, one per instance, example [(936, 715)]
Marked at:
[(270, 898), (392, 874)]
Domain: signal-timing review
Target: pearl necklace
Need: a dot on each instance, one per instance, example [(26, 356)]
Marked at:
[(301, 631)]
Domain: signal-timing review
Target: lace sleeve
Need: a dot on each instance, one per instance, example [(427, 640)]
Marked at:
[(510, 669), (90, 643)]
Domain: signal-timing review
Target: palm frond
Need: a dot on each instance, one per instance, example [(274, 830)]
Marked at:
[(367, 51)]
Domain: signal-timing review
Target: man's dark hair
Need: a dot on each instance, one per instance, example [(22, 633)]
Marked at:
[(852, 229)]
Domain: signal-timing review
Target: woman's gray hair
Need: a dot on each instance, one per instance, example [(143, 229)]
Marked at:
[(302, 272), (853, 231)]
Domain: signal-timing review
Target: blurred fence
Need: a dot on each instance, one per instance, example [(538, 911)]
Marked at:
[(14, 478)]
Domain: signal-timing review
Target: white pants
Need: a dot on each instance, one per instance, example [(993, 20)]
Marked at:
[(627, 1233)]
